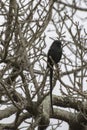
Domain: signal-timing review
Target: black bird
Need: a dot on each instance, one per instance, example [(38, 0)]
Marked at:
[(54, 56)]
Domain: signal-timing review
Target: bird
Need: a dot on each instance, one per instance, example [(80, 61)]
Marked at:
[(53, 57)]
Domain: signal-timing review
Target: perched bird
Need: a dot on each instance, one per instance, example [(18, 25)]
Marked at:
[(53, 57)]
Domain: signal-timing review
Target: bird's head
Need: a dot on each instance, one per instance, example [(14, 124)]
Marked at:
[(57, 42)]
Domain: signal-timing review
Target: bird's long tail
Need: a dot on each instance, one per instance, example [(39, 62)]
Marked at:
[(51, 75)]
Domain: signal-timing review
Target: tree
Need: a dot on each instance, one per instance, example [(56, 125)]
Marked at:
[(24, 80)]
